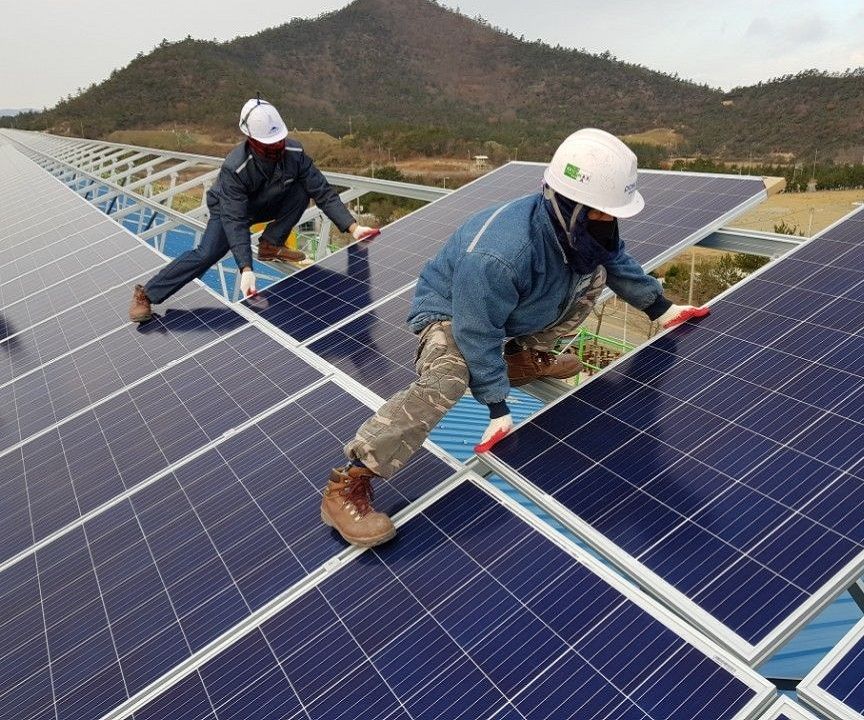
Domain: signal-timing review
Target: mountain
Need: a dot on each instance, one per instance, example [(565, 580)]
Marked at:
[(424, 77), (12, 112)]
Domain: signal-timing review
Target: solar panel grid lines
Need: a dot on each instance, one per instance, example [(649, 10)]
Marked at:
[(96, 372), (377, 349), (56, 240), (26, 219), (31, 347), (678, 466), (106, 269), (43, 333), (21, 282), (678, 391), (150, 582), (384, 634), (835, 687), (114, 445), (23, 314), (88, 511), (786, 709), (18, 174), (50, 246)]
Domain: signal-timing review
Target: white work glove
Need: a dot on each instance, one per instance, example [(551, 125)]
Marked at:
[(247, 283), (497, 430), (678, 314), (361, 232)]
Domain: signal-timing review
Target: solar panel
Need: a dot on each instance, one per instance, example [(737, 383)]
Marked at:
[(474, 612), (835, 687), (85, 460), (377, 349), (100, 613), (58, 251), (720, 464), (685, 209), (102, 326), (46, 394), (786, 709)]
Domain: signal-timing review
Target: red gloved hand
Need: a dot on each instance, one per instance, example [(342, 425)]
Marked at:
[(678, 314), (498, 429)]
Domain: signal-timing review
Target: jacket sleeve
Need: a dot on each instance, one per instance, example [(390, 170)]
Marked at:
[(234, 211), (626, 278), (323, 194), (479, 317)]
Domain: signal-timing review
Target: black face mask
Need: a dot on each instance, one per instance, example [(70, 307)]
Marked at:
[(605, 232)]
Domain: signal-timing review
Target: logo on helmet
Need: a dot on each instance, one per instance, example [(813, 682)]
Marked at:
[(576, 174), (630, 189)]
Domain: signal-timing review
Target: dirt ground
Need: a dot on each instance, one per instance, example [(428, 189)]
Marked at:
[(447, 172), (809, 212)]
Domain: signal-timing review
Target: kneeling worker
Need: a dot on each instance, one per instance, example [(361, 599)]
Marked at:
[(265, 178), (529, 270)]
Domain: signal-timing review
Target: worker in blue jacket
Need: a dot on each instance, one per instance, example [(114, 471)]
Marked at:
[(266, 178), (529, 270)]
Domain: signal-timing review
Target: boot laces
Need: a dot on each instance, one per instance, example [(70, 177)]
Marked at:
[(544, 358), (360, 494)]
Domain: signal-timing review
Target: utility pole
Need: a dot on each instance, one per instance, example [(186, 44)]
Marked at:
[(350, 131), (692, 276)]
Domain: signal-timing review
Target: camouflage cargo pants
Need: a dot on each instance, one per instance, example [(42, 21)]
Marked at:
[(388, 439), (392, 435)]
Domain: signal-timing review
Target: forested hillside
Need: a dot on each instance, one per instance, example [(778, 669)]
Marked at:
[(425, 79)]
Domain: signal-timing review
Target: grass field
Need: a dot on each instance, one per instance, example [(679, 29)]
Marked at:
[(664, 137)]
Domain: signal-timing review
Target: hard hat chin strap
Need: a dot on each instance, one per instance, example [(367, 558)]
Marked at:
[(550, 195)]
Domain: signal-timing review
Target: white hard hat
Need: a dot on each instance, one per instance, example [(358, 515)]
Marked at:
[(596, 169), (262, 122)]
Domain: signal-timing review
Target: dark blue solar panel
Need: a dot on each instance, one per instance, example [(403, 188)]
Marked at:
[(841, 681), (725, 457), (470, 613), (683, 209), (104, 320), (377, 349), (54, 479), (49, 393), (108, 608)]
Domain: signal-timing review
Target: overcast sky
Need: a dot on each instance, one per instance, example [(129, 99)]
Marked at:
[(49, 48)]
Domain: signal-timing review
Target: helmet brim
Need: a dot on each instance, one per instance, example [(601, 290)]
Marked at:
[(635, 206), (272, 139)]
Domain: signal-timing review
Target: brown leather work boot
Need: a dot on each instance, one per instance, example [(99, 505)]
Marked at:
[(280, 253), (139, 310), (347, 506), (525, 365)]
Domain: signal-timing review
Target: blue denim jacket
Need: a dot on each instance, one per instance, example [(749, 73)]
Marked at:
[(504, 274)]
